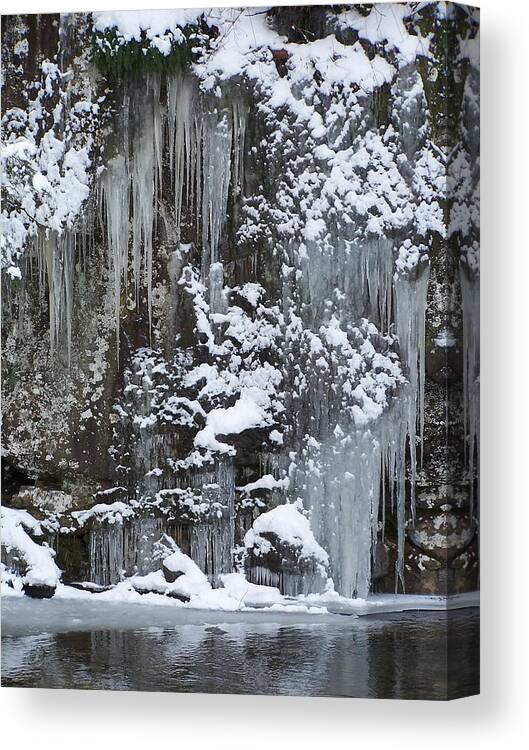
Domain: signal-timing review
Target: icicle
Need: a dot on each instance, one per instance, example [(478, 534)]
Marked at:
[(410, 309), (124, 549), (263, 576), (361, 273), (217, 300), (56, 261), (240, 119), (139, 540), (182, 138), (212, 542), (146, 160), (216, 168), (341, 489), (67, 241), (106, 554), (394, 438), (376, 275), (471, 312), (341, 481), (115, 187)]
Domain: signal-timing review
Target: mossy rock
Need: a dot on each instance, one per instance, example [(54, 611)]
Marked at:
[(117, 59)]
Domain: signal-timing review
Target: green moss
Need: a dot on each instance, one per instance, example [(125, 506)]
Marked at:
[(117, 59)]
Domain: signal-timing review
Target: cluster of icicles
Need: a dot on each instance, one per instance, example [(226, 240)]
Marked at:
[(344, 479), (199, 134), (204, 139)]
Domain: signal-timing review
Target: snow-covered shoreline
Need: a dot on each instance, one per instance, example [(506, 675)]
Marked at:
[(179, 581), (223, 602)]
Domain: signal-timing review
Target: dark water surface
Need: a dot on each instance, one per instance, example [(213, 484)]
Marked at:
[(412, 655)]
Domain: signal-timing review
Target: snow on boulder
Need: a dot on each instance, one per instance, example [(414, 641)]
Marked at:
[(179, 578), (266, 482), (34, 563), (250, 411), (178, 566), (291, 526), (281, 551)]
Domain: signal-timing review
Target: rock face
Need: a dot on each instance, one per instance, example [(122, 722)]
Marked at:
[(243, 276)]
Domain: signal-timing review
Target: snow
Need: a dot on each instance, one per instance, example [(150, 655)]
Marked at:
[(251, 292), (276, 437), (291, 526), (23, 518), (47, 170), (250, 594), (122, 607), (243, 32), (38, 558), (445, 339), (266, 482), (108, 512), (385, 24), (235, 593), (192, 580), (248, 412), (314, 228), (155, 24), (192, 584), (50, 180)]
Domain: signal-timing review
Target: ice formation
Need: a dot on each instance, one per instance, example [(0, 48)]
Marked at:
[(267, 215)]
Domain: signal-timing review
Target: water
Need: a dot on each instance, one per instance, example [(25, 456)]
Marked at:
[(412, 655)]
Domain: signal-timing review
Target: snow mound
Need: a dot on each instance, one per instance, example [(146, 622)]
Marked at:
[(191, 579), (187, 587), (41, 569), (250, 594)]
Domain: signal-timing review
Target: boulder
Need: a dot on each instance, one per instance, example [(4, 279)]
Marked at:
[(38, 590)]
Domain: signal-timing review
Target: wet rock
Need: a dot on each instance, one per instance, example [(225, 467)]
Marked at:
[(171, 575), (56, 497), (176, 595), (347, 36), (92, 588), (300, 24), (73, 556), (380, 567), (60, 418), (282, 566), (39, 591)]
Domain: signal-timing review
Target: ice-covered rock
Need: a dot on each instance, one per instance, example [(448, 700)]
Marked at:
[(281, 551)]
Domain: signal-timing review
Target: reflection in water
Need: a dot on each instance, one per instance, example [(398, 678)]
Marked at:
[(406, 655)]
